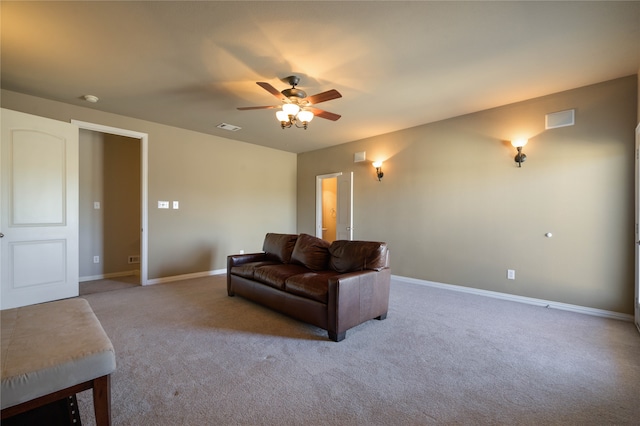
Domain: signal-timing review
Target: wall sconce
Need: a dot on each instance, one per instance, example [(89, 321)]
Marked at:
[(520, 156), (378, 166)]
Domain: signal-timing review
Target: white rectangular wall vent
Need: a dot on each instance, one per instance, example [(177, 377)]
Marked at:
[(560, 119), (227, 126), (359, 156)]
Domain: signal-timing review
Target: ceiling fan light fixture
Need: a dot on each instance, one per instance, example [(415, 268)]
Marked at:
[(305, 116), (290, 109), (294, 110), (282, 116)]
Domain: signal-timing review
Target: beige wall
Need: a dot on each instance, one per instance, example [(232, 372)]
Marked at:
[(456, 209), (230, 192), (110, 175)]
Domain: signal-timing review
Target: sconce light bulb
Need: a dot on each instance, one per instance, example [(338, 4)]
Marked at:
[(377, 164), (519, 143)]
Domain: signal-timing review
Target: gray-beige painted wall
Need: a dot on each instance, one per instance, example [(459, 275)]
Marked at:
[(230, 193), (455, 208), (453, 205)]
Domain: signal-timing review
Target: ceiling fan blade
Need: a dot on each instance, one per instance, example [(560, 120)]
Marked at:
[(269, 88), (324, 114), (258, 107), (324, 96)]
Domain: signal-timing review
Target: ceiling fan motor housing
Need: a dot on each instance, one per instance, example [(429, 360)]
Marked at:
[(294, 93)]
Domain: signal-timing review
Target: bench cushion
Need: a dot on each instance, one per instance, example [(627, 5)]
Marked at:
[(49, 347)]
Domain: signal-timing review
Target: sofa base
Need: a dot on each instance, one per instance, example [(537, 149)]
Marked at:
[(306, 310), (337, 337)]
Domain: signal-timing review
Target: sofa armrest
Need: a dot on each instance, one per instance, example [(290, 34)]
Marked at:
[(240, 259), (356, 297)]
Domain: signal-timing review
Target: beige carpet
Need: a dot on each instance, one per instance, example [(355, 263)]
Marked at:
[(109, 284), (187, 354)]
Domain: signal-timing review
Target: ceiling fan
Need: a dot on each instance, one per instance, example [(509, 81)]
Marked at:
[(297, 107)]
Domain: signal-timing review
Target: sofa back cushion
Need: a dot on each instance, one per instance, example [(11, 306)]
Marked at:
[(349, 256), (279, 247), (311, 252)]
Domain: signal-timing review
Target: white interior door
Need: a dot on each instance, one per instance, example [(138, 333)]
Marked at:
[(39, 212), (344, 205), (636, 301), (344, 225)]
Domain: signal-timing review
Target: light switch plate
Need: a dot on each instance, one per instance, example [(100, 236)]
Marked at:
[(163, 204), (176, 205)]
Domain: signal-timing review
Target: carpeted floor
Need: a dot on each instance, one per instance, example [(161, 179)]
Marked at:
[(187, 354), (109, 284)]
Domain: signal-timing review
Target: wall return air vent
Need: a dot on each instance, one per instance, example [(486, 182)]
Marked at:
[(560, 119)]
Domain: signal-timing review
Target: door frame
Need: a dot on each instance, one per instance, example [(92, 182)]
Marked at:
[(144, 182), (636, 299)]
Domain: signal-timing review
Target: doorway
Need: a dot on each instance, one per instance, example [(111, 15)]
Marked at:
[(334, 206), (329, 208), (142, 139)]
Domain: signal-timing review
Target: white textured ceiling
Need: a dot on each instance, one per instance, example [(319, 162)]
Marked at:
[(397, 64)]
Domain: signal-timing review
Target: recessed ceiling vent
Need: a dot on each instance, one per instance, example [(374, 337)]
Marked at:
[(229, 127), (560, 119)]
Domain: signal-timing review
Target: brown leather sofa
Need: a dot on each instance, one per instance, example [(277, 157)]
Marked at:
[(334, 286)]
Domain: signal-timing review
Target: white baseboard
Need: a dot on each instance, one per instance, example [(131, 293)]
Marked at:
[(521, 299), (110, 275), (487, 293), (186, 276)]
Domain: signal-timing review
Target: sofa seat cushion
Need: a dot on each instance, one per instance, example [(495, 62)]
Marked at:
[(247, 270), (312, 285), (276, 275)]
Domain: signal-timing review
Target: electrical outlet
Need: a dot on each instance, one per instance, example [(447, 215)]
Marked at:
[(511, 274), (134, 259), (96, 259)]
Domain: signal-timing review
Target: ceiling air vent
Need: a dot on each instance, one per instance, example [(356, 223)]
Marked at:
[(229, 127)]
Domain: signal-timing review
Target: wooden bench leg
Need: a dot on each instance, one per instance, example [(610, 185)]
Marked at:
[(102, 400)]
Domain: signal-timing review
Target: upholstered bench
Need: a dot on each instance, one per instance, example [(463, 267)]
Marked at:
[(52, 351)]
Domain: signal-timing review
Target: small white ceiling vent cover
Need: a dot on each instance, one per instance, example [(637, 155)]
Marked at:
[(230, 127), (560, 119)]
